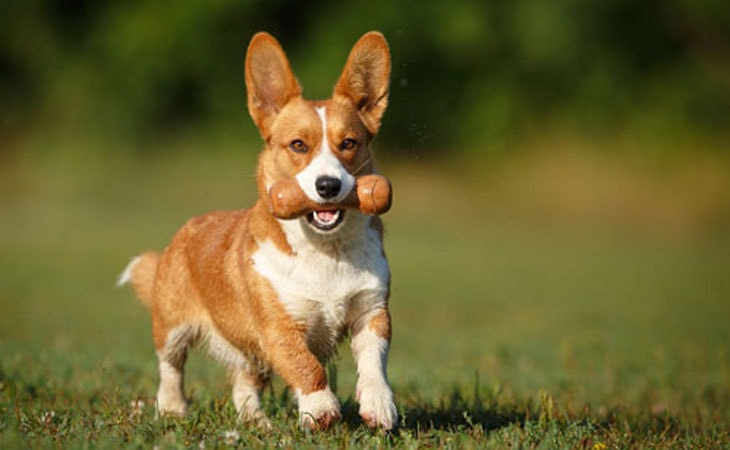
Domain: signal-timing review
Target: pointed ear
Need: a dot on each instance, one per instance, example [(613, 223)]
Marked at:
[(270, 82), (365, 79)]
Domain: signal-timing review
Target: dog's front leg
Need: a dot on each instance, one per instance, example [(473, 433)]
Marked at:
[(302, 371), (370, 343)]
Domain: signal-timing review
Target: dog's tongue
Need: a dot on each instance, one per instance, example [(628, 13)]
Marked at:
[(326, 216)]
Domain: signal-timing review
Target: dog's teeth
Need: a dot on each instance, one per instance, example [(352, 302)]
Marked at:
[(325, 220), (326, 217)]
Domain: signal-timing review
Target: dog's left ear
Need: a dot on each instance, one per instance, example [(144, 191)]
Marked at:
[(365, 79)]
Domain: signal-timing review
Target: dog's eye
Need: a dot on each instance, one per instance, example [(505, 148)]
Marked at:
[(298, 146), (348, 144)]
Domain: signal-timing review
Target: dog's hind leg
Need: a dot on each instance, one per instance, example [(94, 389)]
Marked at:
[(246, 394), (172, 356)]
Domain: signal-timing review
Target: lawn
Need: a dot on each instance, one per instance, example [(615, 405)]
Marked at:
[(508, 330)]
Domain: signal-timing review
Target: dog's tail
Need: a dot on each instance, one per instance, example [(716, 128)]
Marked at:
[(141, 272)]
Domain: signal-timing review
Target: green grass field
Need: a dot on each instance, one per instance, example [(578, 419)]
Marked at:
[(508, 331)]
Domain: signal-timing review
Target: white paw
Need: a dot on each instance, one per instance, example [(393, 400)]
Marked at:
[(171, 405), (318, 410), (257, 418), (248, 405), (250, 412), (377, 407)]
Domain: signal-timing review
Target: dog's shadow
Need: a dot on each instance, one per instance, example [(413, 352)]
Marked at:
[(453, 413)]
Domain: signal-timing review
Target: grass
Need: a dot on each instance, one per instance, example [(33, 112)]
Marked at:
[(509, 331)]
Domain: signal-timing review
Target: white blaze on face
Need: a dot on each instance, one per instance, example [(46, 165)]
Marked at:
[(324, 163)]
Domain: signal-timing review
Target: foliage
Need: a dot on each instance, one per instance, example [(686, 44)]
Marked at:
[(468, 75)]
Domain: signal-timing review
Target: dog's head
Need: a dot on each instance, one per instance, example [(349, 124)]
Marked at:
[(322, 144)]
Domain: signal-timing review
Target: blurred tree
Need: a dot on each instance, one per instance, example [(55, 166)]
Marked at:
[(466, 75)]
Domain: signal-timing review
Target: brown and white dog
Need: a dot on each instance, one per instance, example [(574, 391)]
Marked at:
[(266, 291)]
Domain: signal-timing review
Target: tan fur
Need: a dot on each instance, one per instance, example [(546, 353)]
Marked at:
[(143, 276), (380, 324), (205, 286)]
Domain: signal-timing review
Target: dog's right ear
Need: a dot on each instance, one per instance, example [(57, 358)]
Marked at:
[(270, 82)]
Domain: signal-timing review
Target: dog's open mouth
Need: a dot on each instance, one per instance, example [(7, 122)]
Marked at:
[(326, 220)]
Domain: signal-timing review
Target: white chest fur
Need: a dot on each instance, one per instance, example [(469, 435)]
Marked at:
[(326, 285)]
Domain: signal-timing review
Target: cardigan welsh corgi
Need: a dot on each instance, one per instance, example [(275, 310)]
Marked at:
[(267, 292)]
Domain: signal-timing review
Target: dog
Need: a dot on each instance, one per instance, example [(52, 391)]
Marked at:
[(267, 294)]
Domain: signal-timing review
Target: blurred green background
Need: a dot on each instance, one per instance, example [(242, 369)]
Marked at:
[(468, 76), (561, 173)]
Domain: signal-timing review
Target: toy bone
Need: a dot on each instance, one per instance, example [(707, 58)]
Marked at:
[(372, 195)]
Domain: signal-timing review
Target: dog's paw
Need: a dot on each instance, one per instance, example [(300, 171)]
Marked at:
[(318, 410), (377, 407), (171, 407), (249, 410), (257, 418), (171, 402)]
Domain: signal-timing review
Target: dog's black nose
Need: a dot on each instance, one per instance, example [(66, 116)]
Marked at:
[(328, 187)]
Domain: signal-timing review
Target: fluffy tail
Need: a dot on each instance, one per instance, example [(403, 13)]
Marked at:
[(141, 273)]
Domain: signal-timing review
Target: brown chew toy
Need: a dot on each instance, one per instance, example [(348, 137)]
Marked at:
[(372, 196)]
